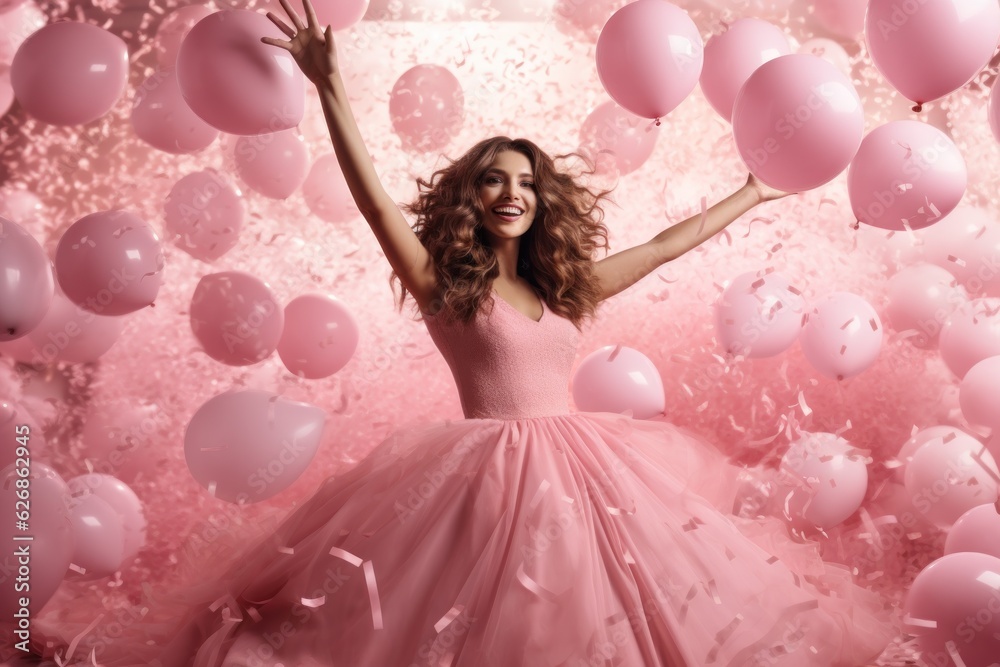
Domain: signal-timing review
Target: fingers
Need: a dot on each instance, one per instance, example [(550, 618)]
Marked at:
[(281, 25), (296, 21), (311, 15), (329, 39), (277, 42)]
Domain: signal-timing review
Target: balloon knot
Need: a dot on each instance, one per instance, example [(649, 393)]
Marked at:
[(918, 107), (657, 122)]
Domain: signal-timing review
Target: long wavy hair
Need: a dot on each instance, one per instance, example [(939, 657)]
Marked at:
[(555, 254)]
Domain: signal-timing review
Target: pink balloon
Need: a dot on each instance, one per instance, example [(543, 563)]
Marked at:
[(993, 110), (204, 215), (70, 73), (110, 263), (162, 118), (971, 334), (830, 51), (246, 446), (798, 122), (930, 48), (831, 480), (966, 243), (236, 318), (326, 191), (16, 25), (122, 500), (26, 284), (949, 476), (98, 537), (979, 391), (319, 337), (275, 165), (843, 18), (977, 530), (14, 419), (649, 57), (49, 525), (67, 333), (951, 608), (921, 438), (122, 439), (842, 335), (921, 298), (173, 29), (758, 315), (629, 140), (235, 82), (427, 107), (616, 378), (732, 56), (584, 19), (906, 174)]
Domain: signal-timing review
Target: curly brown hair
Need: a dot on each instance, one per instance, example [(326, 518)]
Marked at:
[(555, 255)]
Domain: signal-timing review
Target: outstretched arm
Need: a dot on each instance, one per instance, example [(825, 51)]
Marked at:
[(622, 270), (316, 55)]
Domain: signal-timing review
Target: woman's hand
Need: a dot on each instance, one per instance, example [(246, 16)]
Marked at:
[(314, 52), (765, 192)]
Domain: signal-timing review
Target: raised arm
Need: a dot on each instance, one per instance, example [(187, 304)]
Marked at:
[(316, 55), (622, 270)]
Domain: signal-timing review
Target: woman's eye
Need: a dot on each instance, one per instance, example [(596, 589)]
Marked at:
[(529, 184)]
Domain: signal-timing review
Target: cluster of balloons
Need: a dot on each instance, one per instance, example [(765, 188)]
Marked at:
[(760, 314), (951, 482), (86, 529), (797, 118)]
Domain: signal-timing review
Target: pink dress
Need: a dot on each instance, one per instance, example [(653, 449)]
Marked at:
[(527, 536)]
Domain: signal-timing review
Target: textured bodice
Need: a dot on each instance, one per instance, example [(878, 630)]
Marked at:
[(506, 365)]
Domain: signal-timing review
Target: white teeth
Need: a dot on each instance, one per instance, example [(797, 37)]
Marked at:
[(507, 211)]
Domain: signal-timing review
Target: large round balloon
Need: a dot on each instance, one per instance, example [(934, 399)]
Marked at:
[(275, 165), (427, 107), (965, 243), (246, 446), (326, 191), (48, 522), (921, 298), (979, 393), (616, 378), (649, 57), (758, 315), (951, 607), (906, 174), (122, 501), (977, 530), (110, 263), (319, 337), (948, 476), (832, 480), (930, 48), (26, 283), (204, 214), (732, 56), (798, 122), (70, 73), (236, 318), (611, 130), (235, 82), (162, 118), (970, 334), (66, 333), (584, 19), (921, 438), (842, 335)]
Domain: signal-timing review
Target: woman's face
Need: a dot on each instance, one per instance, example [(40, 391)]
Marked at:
[(508, 183)]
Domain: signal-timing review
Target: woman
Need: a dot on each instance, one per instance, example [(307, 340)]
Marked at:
[(522, 535)]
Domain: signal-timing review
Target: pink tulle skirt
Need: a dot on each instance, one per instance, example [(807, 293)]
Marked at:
[(574, 540)]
